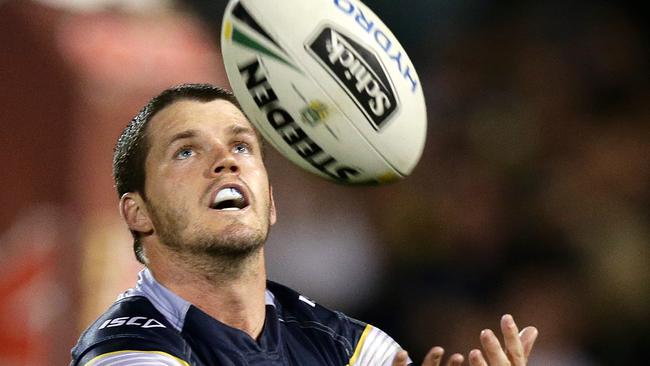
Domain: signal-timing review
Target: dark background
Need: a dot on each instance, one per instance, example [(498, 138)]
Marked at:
[(532, 196)]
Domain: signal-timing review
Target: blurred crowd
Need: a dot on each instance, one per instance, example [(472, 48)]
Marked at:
[(532, 196)]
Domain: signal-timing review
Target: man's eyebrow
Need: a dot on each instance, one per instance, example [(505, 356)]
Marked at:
[(182, 135), (238, 130)]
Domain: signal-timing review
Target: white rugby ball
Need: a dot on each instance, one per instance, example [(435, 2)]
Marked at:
[(328, 85)]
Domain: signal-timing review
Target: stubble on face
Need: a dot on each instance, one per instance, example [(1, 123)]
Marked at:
[(233, 244), (186, 231)]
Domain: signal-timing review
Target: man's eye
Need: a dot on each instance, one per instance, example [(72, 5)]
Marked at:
[(242, 148), (184, 153)]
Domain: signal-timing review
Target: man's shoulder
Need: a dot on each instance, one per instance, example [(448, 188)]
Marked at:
[(130, 324), (362, 344), (302, 316), (294, 306)]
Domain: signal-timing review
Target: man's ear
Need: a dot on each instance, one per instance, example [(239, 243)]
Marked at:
[(134, 211), (272, 213)]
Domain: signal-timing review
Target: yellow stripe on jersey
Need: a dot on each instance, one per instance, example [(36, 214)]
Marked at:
[(101, 357), (375, 348), (357, 350)]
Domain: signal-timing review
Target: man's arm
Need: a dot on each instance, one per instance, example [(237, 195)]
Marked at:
[(130, 350), (134, 357)]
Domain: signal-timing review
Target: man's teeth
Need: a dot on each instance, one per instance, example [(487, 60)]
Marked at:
[(229, 199), (228, 194)]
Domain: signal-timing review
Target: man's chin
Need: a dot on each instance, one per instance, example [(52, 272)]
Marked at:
[(230, 249), (236, 242)]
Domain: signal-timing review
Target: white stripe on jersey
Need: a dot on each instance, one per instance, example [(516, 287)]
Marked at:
[(136, 358), (375, 348)]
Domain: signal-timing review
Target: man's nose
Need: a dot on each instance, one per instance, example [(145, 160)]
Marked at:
[(226, 164), (233, 168)]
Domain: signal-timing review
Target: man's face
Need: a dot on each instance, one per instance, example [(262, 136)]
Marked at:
[(206, 185)]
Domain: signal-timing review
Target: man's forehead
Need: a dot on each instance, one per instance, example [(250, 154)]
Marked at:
[(186, 114)]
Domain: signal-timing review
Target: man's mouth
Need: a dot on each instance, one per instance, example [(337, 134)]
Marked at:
[(229, 199)]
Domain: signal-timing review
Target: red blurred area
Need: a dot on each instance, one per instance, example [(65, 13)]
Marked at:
[(70, 83)]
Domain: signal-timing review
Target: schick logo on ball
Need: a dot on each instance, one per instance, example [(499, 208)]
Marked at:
[(358, 71)]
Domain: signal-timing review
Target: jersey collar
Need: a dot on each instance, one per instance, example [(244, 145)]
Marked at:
[(173, 307)]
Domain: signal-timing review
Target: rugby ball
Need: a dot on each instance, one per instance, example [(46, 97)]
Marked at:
[(328, 85)]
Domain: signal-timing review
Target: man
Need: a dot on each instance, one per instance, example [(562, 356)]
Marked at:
[(195, 194)]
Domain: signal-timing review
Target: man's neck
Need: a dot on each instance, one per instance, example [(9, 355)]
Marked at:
[(234, 296)]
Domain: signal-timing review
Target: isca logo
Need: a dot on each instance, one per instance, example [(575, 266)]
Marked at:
[(136, 321)]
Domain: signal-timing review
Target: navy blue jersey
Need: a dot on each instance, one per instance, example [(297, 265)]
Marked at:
[(151, 325)]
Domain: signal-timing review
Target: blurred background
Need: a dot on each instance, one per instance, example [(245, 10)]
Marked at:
[(532, 197)]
